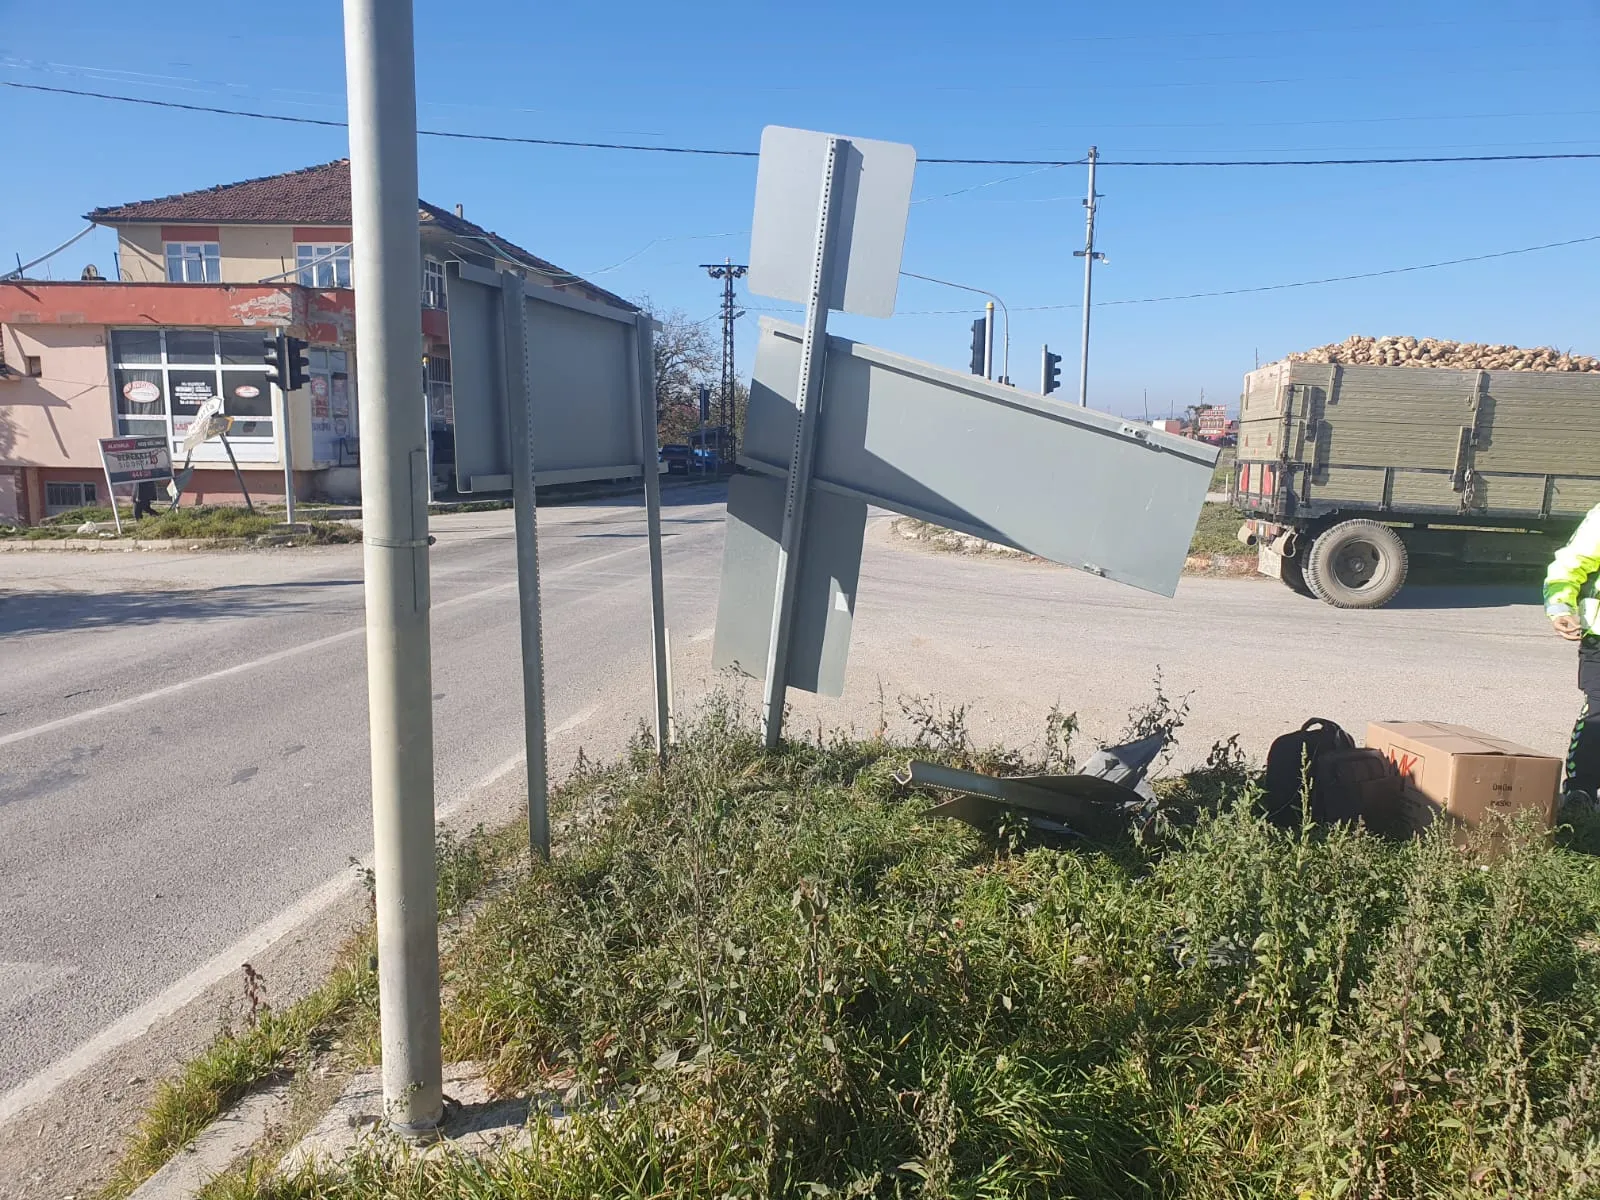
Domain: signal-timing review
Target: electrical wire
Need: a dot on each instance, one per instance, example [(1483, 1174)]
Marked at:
[(1270, 287), (18, 272), (706, 151)]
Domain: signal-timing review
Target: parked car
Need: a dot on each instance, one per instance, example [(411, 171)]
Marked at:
[(675, 458)]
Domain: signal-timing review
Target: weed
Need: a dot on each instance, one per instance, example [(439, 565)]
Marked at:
[(781, 979), (255, 995)]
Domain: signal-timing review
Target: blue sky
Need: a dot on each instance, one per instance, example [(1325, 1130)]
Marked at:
[(1160, 80)]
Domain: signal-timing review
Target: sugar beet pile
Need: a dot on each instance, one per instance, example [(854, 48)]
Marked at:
[(1434, 352)]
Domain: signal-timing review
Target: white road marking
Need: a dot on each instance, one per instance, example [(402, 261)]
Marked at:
[(575, 720), (90, 714), (25, 1095), (40, 1086)]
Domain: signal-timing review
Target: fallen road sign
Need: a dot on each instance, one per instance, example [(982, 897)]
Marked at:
[(1078, 487)]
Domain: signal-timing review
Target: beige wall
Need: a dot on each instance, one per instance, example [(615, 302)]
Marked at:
[(57, 419), (249, 252), (140, 254)]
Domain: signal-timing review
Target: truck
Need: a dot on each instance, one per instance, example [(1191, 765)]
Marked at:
[(1345, 472)]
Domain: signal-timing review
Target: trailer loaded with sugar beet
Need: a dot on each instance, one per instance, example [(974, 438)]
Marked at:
[(1356, 457)]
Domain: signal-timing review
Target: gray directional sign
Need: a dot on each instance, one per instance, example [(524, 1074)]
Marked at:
[(581, 359), (1077, 487), (868, 226), (551, 388)]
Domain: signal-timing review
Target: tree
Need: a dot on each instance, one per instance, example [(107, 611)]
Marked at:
[(686, 359)]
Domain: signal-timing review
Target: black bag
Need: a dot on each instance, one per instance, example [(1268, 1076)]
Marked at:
[(1292, 761)]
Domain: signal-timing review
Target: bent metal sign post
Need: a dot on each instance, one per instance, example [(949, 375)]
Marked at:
[(133, 460)]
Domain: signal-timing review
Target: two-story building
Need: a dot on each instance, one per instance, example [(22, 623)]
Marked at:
[(201, 279)]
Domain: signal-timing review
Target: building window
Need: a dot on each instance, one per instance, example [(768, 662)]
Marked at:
[(161, 377), (436, 387), (432, 283), (64, 497), (194, 262), (323, 266)]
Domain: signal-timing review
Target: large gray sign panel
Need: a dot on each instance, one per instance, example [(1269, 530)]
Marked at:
[(868, 229), (1073, 486), (581, 362)]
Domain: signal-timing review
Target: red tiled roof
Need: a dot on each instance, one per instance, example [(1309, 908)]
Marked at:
[(317, 195)]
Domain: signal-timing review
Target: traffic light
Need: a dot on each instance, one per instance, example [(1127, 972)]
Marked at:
[(1051, 375), (980, 337), (286, 361), (275, 354), (298, 363)]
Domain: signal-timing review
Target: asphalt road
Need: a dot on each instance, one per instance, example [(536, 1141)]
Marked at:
[(183, 736)]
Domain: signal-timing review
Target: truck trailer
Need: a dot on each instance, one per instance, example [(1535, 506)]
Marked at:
[(1345, 472)]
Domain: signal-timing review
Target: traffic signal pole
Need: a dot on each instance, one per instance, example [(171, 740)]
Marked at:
[(380, 70), (988, 340)]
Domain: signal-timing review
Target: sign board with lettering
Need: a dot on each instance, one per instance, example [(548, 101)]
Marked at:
[(135, 459)]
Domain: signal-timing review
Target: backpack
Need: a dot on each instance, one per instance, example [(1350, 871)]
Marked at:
[(1345, 781)]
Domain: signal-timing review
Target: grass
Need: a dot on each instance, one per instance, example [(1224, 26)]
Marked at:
[(1222, 477), (336, 1026), (200, 521), (763, 975), (1216, 532)]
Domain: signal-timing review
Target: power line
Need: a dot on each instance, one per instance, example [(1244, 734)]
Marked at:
[(706, 151), (1270, 287)]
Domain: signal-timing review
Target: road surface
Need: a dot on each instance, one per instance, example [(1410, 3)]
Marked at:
[(183, 736)]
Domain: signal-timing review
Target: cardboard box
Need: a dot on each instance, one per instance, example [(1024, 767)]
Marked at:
[(1467, 774)]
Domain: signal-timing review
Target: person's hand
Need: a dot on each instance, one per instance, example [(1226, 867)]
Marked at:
[(1567, 625)]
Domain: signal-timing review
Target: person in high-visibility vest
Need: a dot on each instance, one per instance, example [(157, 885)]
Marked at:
[(1572, 602)]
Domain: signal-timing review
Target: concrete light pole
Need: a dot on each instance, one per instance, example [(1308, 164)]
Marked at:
[(380, 69)]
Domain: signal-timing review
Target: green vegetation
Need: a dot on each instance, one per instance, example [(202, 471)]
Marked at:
[(1217, 532), (335, 1026), (200, 521), (773, 975), (1222, 477), (268, 1047)]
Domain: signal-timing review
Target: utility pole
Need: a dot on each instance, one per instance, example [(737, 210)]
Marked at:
[(380, 73), (1089, 254), (727, 271)]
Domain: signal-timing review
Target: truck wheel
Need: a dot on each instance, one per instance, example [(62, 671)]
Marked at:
[(1356, 564), (1294, 575)]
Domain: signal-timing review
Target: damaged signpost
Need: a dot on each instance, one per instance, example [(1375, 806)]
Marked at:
[(834, 426), (553, 388)]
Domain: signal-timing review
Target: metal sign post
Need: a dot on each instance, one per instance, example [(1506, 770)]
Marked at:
[(519, 405), (841, 251), (645, 392), (808, 394)]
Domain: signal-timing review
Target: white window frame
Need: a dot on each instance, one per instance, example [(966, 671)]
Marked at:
[(318, 264), (165, 367), (433, 295), (189, 256), (83, 486)]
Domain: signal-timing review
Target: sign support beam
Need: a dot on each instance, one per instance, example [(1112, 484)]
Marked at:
[(644, 383), (813, 358), (519, 414)]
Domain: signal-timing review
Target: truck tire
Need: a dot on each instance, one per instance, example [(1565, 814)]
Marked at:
[(1294, 575), (1356, 564)]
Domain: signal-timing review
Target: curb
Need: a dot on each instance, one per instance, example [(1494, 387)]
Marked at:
[(126, 545)]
